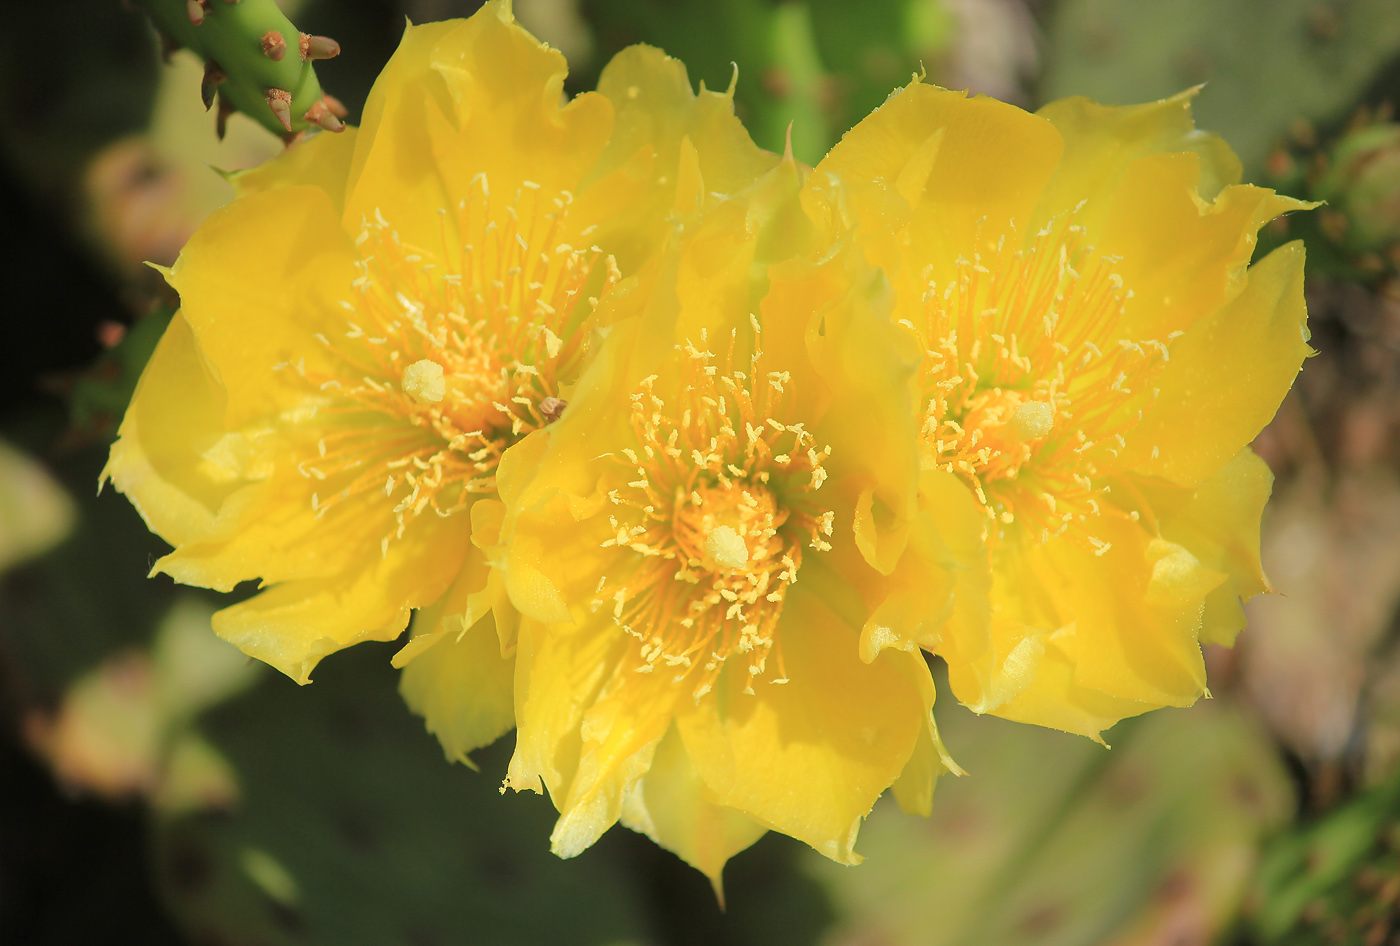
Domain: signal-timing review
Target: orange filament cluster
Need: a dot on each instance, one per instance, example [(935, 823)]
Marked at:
[(718, 505), (1028, 387), (450, 356)]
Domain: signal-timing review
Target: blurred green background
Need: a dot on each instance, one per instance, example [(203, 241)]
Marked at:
[(157, 787)]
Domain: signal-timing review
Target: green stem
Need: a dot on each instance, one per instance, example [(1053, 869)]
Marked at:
[(256, 61)]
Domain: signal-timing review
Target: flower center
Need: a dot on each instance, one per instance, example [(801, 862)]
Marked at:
[(732, 528), (711, 522), (450, 355), (1028, 388)]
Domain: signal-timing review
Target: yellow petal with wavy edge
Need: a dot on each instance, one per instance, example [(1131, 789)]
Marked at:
[(809, 757), (655, 111), (671, 805), (955, 170), (467, 98), (1233, 368), (460, 684), (1192, 259), (1102, 141), (1219, 522), (293, 624), (159, 459), (257, 282), (943, 569), (322, 160), (559, 673), (1055, 700), (1127, 619), (619, 733)]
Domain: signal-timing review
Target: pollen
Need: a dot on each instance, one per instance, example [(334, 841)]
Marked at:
[(716, 504), (448, 354), (423, 381), (1028, 388)]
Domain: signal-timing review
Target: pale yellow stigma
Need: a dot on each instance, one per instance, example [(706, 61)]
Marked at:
[(1032, 420), (423, 381), (727, 547)]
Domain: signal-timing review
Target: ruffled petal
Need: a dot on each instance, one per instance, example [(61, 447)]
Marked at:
[(1127, 618), (620, 732), (292, 625), (1102, 141), (956, 170), (257, 282), (459, 683), (559, 672), (322, 160), (944, 568), (1056, 701), (467, 98), (175, 415), (660, 125), (1190, 260), (810, 757), (1218, 521), (671, 805), (1226, 376)]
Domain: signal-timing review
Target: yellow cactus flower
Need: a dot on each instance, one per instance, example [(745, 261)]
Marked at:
[(699, 544), (381, 315), (1098, 355)]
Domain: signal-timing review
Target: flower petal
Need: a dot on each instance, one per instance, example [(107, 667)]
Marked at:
[(559, 672), (257, 281), (1190, 260), (620, 732), (322, 160), (1128, 619), (175, 414), (1102, 141), (671, 806), (1218, 522), (943, 568), (479, 96), (810, 757), (1055, 700), (1226, 376), (958, 170), (635, 184), (292, 625), (460, 684)]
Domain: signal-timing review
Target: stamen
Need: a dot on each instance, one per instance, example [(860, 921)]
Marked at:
[(1028, 391), (447, 356), (716, 503)]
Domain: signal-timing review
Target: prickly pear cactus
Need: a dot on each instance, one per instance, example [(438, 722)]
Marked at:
[(256, 61), (1054, 841), (352, 829), (1356, 235), (1337, 881), (1265, 65)]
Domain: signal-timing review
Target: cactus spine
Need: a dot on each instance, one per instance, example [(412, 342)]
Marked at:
[(256, 61)]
